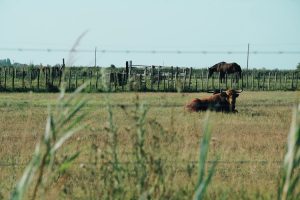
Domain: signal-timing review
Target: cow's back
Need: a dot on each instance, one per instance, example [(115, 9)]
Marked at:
[(212, 103), (194, 105)]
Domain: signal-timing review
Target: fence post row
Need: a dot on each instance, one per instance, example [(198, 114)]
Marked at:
[(146, 79)]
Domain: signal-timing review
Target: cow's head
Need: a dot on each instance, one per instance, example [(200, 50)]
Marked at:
[(231, 98)]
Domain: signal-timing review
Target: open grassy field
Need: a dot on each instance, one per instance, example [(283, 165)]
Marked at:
[(250, 144)]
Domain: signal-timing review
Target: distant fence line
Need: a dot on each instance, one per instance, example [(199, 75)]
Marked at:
[(141, 78)]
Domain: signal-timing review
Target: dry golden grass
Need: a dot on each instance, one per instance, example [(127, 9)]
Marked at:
[(250, 144)]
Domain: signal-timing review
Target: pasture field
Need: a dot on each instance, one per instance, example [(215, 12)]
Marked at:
[(249, 145)]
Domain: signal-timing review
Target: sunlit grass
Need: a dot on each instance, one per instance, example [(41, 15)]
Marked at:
[(257, 133)]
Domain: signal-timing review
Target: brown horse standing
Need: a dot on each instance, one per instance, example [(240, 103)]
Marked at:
[(225, 68)]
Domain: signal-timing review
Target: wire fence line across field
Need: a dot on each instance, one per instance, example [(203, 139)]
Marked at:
[(124, 51), (169, 163)]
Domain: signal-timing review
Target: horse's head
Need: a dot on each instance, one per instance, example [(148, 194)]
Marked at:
[(211, 70), (214, 68)]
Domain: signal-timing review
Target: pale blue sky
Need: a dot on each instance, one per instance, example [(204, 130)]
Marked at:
[(186, 25)]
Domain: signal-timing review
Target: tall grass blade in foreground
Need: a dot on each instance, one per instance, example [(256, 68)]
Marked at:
[(61, 125), (203, 180), (290, 175)]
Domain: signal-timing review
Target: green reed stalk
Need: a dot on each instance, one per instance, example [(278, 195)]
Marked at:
[(203, 179), (290, 175)]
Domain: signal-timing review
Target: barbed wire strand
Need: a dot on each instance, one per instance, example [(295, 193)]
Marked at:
[(50, 50)]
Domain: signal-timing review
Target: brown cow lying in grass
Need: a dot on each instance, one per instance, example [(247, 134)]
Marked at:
[(223, 101)]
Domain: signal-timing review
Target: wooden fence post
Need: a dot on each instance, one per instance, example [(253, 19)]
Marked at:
[(247, 74), (140, 79), (195, 77), (164, 78), (219, 81), (152, 77), (275, 80), (293, 81), (5, 77), (109, 82), (264, 80), (30, 77), (269, 81), (158, 81), (167, 77), (13, 79), (176, 78), (52, 76), (168, 82), (207, 81), (296, 86), (202, 77), (97, 77), (190, 78), (114, 74), (130, 69), (185, 75), (280, 86), (123, 80), (45, 76), (129, 75), (258, 81), (90, 76), (172, 81), (23, 78), (285, 80), (61, 71), (70, 78), (38, 79), (145, 78), (76, 80), (252, 84), (83, 75), (242, 76)]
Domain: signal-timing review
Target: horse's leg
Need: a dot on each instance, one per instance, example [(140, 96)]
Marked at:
[(221, 78)]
